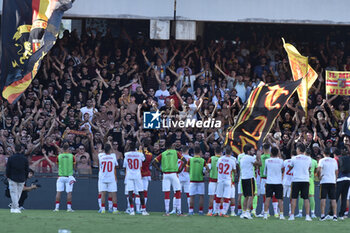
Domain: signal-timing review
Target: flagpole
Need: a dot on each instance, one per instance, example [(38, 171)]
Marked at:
[(307, 87)]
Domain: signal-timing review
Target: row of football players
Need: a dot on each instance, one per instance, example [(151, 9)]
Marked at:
[(265, 174)]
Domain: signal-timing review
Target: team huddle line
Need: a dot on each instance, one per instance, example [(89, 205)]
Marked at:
[(261, 172)]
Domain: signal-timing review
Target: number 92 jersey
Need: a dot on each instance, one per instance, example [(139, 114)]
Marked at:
[(225, 167), (107, 164), (133, 162)]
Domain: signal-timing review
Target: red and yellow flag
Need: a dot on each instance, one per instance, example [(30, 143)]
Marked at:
[(300, 69), (258, 115)]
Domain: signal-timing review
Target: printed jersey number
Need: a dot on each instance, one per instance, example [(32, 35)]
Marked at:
[(133, 164), (289, 171), (108, 165), (223, 169)]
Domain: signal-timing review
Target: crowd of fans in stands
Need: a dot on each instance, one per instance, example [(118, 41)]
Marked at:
[(94, 88)]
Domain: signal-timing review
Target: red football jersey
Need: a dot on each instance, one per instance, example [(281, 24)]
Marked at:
[(145, 164)]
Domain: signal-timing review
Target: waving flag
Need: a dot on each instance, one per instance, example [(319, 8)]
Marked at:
[(300, 70), (29, 30), (258, 115)]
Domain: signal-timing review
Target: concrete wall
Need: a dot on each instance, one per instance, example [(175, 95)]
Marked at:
[(85, 196), (267, 11)]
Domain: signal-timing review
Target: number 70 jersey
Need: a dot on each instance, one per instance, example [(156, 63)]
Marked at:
[(133, 162), (107, 164), (225, 167)]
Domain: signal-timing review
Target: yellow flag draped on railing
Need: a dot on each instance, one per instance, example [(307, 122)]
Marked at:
[(300, 69), (337, 82)]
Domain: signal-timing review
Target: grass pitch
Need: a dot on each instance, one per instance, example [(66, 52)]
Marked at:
[(46, 221)]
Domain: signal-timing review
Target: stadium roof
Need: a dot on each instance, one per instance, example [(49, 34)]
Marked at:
[(267, 11)]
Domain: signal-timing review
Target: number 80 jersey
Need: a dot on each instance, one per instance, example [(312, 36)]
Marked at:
[(225, 167), (133, 162), (107, 164)]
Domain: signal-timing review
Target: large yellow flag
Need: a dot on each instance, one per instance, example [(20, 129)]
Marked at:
[(300, 69)]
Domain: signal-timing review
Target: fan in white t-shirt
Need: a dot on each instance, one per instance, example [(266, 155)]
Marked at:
[(161, 94), (247, 164), (301, 174), (328, 172), (88, 109), (273, 171)]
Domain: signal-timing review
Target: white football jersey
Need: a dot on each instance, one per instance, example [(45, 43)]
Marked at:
[(225, 167), (273, 170), (184, 175), (107, 164), (239, 157), (133, 163), (301, 168), (329, 167), (288, 172)]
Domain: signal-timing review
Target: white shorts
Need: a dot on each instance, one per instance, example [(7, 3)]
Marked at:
[(239, 187), (185, 186), (110, 187), (233, 191), (196, 188), (169, 180), (223, 189), (262, 186), (65, 183), (286, 190), (145, 181), (212, 188), (348, 194), (135, 185)]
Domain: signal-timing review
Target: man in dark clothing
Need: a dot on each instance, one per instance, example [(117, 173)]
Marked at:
[(343, 180), (27, 188), (17, 169)]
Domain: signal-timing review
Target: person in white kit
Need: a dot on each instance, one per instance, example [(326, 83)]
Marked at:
[(261, 177), (212, 161), (184, 178), (328, 172), (107, 180), (273, 171), (133, 162), (239, 186), (247, 164), (301, 175), (228, 150), (226, 166), (167, 163), (287, 180)]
